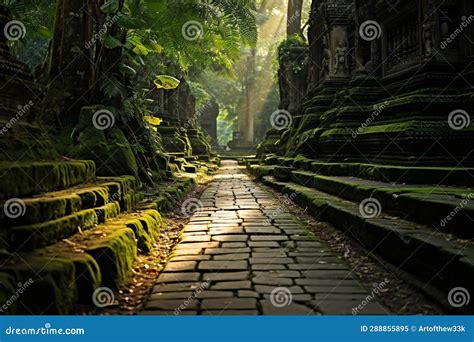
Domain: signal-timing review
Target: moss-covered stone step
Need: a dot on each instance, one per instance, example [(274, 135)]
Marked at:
[(459, 176), (145, 224), (49, 219), (64, 276), (447, 209), (30, 237), (165, 198), (53, 205), (260, 171), (49, 284), (426, 254), (397, 174), (190, 168), (30, 178)]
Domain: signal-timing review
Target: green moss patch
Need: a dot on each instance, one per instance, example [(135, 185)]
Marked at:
[(260, 171), (114, 253), (39, 235), (26, 179), (51, 285)]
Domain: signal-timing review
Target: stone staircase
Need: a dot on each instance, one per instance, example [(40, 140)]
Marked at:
[(66, 232), (401, 214)]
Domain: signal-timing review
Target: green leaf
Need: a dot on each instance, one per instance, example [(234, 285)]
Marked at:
[(127, 70), (140, 49), (110, 6), (130, 22), (111, 42), (154, 46), (166, 82), (152, 120), (156, 5), (134, 39), (41, 31)]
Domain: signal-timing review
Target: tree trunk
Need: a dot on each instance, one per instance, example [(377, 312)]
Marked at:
[(247, 117), (68, 64), (295, 8)]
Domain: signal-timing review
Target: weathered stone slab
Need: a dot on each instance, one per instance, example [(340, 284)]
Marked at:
[(248, 294), (264, 289), (214, 251), (230, 238), (232, 285), (280, 254), (262, 230), (222, 265), (175, 287), (277, 281), (170, 295), (180, 266), (194, 245), (226, 276), (187, 251), (268, 267), (268, 244), (234, 256), (335, 289), (226, 231), (214, 294), (234, 245), (268, 238), (278, 273), (178, 277), (196, 238), (191, 257), (282, 261)]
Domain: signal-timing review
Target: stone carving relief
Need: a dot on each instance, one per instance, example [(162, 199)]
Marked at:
[(326, 61), (341, 62)]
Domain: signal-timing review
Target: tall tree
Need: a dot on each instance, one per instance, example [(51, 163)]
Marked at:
[(295, 9)]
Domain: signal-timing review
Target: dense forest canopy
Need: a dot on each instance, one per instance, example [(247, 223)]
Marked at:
[(213, 43)]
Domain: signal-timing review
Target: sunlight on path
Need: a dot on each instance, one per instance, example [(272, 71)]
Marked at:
[(243, 253)]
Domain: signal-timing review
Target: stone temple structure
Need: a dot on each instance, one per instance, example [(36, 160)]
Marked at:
[(388, 81), (179, 129), (379, 138)]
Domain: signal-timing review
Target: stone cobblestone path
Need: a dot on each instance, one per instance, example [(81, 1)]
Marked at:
[(243, 253)]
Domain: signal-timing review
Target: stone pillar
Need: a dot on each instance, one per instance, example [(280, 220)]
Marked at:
[(208, 118), (293, 77)]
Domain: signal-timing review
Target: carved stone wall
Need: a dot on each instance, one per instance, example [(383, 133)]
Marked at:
[(385, 78)]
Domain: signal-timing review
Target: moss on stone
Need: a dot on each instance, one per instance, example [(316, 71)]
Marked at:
[(114, 253), (87, 274), (395, 173), (30, 178), (109, 148), (52, 285), (260, 171), (39, 235), (282, 173), (108, 211)]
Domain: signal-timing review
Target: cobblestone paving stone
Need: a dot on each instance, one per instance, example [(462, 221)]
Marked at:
[(244, 254)]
